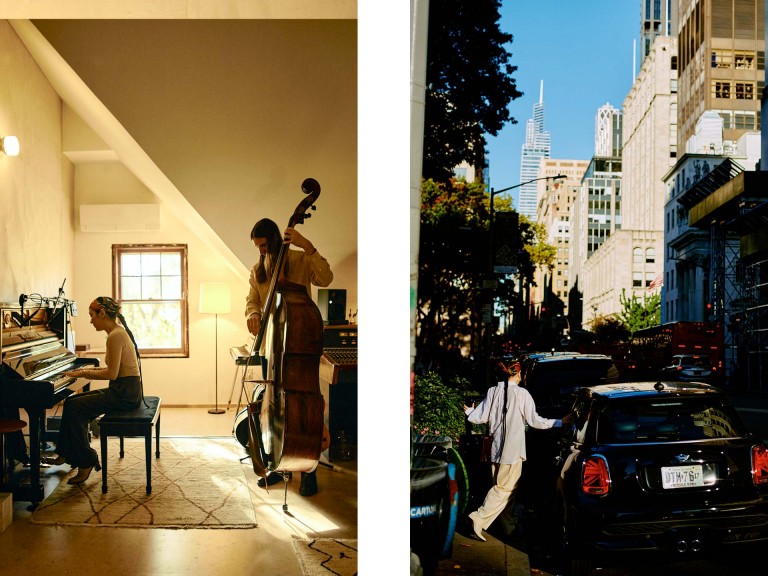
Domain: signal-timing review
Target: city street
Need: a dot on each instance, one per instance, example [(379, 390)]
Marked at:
[(506, 555)]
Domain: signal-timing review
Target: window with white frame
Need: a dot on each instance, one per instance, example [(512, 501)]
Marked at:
[(150, 283)]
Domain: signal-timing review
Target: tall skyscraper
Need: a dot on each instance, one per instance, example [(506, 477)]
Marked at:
[(657, 18), (608, 131), (535, 148), (721, 46)]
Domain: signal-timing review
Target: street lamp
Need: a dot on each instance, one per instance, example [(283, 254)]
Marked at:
[(494, 192), (493, 210), (491, 280)]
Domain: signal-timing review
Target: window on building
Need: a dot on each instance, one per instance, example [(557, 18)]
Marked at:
[(744, 120), (722, 58), (648, 278), (745, 90), (727, 120), (150, 282), (637, 279), (744, 60), (650, 255), (721, 89), (673, 63), (637, 255)]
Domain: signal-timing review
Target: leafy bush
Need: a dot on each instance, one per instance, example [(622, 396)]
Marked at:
[(438, 408)]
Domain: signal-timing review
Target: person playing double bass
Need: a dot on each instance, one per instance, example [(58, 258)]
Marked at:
[(306, 267)]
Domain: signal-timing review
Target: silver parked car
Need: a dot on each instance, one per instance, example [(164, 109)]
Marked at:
[(689, 368)]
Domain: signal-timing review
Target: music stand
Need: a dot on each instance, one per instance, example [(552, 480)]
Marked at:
[(215, 299)]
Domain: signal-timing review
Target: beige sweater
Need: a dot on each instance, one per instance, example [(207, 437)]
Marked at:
[(302, 269), (120, 359)]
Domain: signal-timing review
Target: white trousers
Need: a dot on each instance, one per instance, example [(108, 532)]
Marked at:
[(507, 476)]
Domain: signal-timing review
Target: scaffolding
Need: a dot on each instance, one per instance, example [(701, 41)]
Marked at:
[(750, 320), (726, 289)]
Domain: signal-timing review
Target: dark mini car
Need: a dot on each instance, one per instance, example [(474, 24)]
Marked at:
[(552, 381), (657, 470), (689, 368)]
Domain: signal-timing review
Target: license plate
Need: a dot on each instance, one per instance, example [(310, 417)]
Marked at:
[(682, 476)]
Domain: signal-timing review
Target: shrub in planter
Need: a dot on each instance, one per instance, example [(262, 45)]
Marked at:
[(438, 407)]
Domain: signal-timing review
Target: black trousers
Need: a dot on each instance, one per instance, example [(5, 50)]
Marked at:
[(74, 442)]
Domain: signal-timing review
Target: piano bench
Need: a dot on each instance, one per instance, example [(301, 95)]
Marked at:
[(131, 423)]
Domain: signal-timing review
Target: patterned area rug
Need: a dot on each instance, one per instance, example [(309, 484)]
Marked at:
[(196, 483), (327, 556)]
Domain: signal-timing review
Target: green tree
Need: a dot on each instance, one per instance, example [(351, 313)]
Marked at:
[(637, 314), (541, 253), (453, 257), (469, 84), (454, 262), (610, 330)]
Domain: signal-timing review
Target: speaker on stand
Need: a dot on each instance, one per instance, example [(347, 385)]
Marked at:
[(332, 304)]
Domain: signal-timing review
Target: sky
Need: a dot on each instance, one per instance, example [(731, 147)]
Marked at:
[(583, 51)]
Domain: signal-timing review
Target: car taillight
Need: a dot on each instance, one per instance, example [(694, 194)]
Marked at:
[(595, 478), (759, 465)]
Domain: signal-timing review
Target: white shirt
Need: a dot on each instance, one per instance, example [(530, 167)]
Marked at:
[(521, 409)]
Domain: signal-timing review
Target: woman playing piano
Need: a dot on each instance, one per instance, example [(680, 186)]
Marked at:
[(124, 391)]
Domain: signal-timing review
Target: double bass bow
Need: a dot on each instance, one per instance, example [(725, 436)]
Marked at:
[(285, 418)]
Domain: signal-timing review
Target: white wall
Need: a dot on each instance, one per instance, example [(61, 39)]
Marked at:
[(179, 381), (40, 194), (36, 231)]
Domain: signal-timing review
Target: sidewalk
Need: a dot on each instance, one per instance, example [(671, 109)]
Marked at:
[(500, 555)]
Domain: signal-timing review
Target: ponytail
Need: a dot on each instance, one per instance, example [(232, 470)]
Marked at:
[(112, 309), (138, 355)]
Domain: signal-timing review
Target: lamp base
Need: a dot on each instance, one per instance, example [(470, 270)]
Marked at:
[(216, 411)]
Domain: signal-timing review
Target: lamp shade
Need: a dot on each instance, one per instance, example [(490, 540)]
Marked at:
[(214, 298)]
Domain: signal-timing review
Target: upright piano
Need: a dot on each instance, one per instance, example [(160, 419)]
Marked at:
[(36, 349)]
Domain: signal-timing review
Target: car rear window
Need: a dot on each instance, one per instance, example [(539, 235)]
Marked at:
[(701, 362), (667, 420), (552, 384)]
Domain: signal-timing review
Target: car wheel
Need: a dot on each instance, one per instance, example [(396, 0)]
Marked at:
[(573, 561)]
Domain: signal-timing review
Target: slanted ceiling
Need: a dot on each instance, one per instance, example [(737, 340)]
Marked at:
[(235, 113)]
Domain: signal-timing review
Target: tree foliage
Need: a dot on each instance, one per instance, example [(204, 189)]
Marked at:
[(541, 253), (469, 84), (454, 262), (610, 329), (637, 313)]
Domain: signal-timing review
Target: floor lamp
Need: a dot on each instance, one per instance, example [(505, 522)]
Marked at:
[(214, 299)]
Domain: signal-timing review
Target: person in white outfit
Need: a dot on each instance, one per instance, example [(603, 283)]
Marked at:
[(506, 409)]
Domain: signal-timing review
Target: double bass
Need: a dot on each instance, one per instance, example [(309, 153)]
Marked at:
[(285, 418)]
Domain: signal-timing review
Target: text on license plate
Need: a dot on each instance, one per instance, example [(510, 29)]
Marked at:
[(682, 476)]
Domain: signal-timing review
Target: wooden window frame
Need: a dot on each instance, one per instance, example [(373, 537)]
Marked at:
[(182, 249)]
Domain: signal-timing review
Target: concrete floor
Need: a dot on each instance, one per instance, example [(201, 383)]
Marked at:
[(27, 548)]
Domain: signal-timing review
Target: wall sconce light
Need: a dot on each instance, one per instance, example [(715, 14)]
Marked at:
[(9, 145)]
